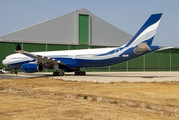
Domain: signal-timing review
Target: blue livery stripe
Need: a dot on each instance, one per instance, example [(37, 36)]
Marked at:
[(152, 20)]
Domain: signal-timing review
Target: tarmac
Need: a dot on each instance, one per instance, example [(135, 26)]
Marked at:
[(103, 77)]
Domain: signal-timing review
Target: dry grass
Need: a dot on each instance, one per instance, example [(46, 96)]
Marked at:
[(50, 99)]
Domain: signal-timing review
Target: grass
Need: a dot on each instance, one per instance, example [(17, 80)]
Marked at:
[(43, 98), (85, 97), (114, 102)]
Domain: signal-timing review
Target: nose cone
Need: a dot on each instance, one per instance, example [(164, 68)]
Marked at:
[(4, 62)]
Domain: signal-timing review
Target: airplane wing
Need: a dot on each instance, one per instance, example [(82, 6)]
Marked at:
[(40, 59)]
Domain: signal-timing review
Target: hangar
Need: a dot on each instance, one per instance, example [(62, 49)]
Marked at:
[(83, 30)]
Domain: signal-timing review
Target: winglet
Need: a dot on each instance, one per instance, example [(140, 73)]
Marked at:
[(18, 47)]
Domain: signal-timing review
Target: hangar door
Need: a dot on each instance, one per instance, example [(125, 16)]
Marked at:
[(83, 29)]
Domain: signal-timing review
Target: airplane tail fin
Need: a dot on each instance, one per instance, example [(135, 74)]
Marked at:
[(147, 31)]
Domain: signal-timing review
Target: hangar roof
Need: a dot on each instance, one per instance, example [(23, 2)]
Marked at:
[(65, 30)]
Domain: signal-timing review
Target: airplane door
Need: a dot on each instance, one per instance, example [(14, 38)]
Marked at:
[(73, 56)]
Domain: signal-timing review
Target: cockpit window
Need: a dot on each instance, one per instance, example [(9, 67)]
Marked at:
[(20, 58)]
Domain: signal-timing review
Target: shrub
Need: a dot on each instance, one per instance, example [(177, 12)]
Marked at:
[(85, 97)]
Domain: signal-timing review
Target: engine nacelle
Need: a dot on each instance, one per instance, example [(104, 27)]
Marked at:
[(31, 67)]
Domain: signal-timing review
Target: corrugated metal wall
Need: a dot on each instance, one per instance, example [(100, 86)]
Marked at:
[(165, 60), (34, 47), (78, 27), (103, 33), (60, 30), (174, 59), (6, 49), (81, 27)]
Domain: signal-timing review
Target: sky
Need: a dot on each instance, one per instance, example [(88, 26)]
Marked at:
[(127, 15)]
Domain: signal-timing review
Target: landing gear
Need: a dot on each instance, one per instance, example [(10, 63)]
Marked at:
[(15, 72), (80, 73), (58, 73)]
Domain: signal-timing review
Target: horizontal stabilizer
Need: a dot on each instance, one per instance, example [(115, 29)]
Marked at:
[(164, 48)]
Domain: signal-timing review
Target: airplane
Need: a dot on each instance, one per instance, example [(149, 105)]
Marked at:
[(73, 60)]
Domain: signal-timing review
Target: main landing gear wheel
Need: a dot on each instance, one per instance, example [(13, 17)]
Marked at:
[(80, 73), (58, 73)]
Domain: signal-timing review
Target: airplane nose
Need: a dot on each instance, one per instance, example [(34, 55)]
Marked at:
[(4, 62)]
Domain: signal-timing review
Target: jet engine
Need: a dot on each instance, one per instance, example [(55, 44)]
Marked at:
[(31, 67)]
